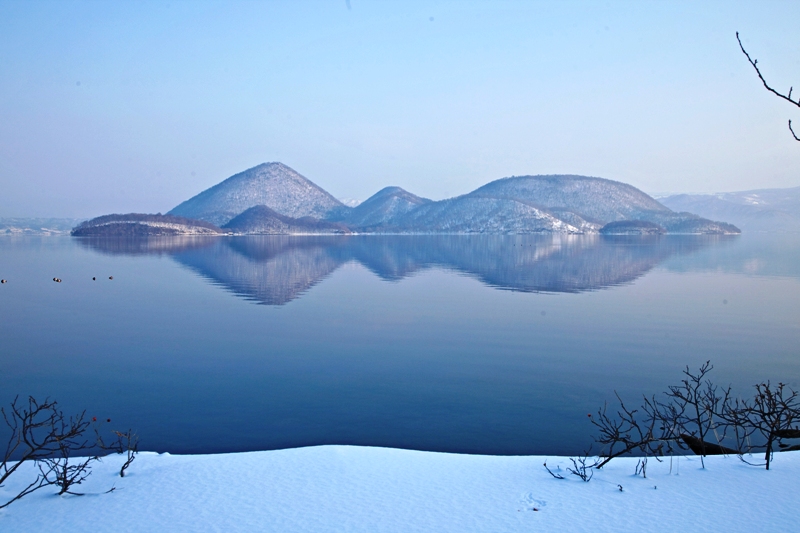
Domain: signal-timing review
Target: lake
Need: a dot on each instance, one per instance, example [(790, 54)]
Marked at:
[(471, 344)]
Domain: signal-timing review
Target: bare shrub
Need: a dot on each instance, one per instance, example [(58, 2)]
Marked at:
[(126, 442), (645, 430), (641, 467), (693, 410), (582, 468), (62, 473), (770, 414), (699, 416), (38, 433)]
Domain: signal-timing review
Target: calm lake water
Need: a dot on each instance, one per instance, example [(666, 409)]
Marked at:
[(495, 345)]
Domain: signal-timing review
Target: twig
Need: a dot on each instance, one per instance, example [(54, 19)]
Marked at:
[(787, 97), (557, 476)]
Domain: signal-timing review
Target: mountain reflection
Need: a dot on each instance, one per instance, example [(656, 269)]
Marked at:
[(274, 270)]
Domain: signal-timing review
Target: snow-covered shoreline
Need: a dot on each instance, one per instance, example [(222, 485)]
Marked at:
[(353, 488)]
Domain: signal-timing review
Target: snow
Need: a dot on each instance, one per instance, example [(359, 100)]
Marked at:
[(350, 488), (182, 229), (272, 184)]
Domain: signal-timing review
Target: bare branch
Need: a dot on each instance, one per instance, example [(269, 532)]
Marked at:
[(581, 469), (557, 476), (787, 97), (754, 62), (41, 434), (796, 138), (126, 442)]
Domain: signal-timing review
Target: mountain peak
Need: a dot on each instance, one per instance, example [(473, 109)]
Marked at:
[(261, 220), (518, 204), (273, 184), (596, 199), (385, 207)]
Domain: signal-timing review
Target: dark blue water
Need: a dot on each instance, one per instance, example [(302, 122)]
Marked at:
[(496, 345)]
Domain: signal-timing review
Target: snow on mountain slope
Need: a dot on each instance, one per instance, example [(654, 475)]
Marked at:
[(261, 220), (474, 214), (137, 224), (272, 184), (525, 204), (598, 202), (594, 199), (757, 210), (384, 208)]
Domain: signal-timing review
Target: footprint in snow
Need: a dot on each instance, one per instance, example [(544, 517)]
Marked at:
[(532, 503)]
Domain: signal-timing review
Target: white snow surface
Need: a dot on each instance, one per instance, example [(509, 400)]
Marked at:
[(350, 488), (181, 229)]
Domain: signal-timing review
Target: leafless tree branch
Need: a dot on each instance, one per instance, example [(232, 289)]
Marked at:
[(787, 97), (40, 433)]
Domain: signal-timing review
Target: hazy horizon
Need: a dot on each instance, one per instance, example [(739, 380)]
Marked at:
[(137, 107)]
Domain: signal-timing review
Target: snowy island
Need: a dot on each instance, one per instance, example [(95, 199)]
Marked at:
[(273, 199)]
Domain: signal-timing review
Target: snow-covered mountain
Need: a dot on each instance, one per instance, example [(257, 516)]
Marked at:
[(478, 214), (384, 208), (590, 203), (349, 202), (595, 200), (757, 210), (261, 220), (565, 204), (541, 204), (271, 184)]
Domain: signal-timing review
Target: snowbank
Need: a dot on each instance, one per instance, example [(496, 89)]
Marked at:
[(349, 488)]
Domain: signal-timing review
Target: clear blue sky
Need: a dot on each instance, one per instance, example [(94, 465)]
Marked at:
[(136, 106)]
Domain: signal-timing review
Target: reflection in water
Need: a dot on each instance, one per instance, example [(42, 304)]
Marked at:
[(429, 362), (145, 246), (277, 269)]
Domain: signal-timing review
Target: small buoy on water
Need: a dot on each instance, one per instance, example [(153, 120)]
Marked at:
[(110, 277)]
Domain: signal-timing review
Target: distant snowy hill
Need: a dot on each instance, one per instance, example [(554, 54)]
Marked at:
[(591, 203), (476, 214), (565, 204), (37, 226), (271, 184), (349, 202), (757, 210), (261, 220), (384, 208), (596, 200), (139, 225), (532, 204)]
